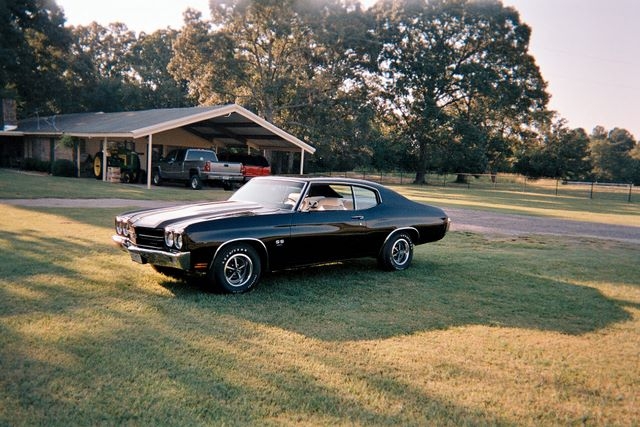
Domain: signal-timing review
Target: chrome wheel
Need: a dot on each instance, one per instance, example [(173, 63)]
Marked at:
[(401, 251), (238, 270), (397, 252)]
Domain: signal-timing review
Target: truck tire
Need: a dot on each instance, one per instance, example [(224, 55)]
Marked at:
[(195, 182), (156, 179), (97, 165)]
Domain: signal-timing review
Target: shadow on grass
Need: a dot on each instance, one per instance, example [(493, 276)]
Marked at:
[(355, 301)]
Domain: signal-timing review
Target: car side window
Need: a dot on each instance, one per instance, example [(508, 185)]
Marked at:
[(171, 157), (328, 197), (365, 198)]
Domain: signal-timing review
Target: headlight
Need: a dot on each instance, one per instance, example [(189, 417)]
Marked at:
[(118, 227), (168, 238), (178, 241)]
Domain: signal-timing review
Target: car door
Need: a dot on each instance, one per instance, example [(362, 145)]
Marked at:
[(327, 226), (173, 165)]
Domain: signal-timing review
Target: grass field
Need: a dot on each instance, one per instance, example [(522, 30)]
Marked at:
[(531, 330)]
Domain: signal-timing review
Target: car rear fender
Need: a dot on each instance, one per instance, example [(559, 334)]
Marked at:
[(411, 231), (258, 245)]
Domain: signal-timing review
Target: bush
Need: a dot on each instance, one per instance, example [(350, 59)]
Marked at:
[(31, 164), (64, 168)]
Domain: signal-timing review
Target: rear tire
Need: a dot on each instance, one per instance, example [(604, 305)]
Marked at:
[(236, 268), (195, 182), (97, 166), (397, 252)]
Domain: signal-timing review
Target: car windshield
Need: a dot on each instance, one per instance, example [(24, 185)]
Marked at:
[(275, 193)]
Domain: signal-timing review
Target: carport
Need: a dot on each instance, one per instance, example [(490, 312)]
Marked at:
[(222, 126)]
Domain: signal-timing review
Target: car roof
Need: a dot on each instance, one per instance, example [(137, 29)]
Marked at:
[(389, 196), (335, 180)]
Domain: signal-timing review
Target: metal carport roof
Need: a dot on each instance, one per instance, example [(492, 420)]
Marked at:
[(231, 125)]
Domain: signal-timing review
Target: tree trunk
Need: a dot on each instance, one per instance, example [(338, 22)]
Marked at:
[(421, 173), (461, 179)]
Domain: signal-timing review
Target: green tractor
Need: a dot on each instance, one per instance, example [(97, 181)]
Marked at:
[(128, 161)]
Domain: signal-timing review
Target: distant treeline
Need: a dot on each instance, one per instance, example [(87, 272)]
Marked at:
[(446, 85)]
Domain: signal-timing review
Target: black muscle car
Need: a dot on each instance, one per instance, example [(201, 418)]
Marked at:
[(274, 223)]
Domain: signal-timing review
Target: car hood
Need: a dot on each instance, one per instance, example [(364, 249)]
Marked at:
[(182, 216)]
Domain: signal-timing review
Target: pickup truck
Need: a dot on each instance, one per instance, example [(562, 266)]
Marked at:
[(194, 166), (254, 165)]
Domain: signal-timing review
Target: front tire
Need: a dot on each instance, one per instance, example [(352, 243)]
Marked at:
[(236, 268), (156, 179), (397, 252)]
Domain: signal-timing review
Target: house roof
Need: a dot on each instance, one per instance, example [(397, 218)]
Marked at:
[(230, 124)]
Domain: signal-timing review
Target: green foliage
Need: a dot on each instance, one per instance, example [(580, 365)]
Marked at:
[(63, 167), (564, 154), (446, 85), (33, 55), (457, 80), (614, 156), (31, 164)]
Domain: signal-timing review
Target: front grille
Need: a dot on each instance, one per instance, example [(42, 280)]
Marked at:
[(148, 237)]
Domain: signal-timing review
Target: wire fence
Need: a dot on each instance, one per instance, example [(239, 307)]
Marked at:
[(505, 182)]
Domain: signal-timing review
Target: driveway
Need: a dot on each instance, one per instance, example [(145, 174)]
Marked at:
[(500, 223), (474, 221)]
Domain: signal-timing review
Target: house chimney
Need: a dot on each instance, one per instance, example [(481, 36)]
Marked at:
[(8, 117)]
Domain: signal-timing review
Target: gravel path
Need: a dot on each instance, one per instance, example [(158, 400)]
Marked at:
[(462, 219)]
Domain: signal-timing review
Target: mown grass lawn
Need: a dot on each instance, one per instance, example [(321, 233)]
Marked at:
[(532, 330)]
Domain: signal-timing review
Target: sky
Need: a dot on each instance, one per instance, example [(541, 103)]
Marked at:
[(588, 50)]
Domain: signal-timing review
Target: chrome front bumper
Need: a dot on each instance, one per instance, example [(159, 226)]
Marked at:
[(179, 260)]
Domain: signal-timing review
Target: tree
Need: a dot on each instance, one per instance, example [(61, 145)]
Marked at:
[(151, 55), (33, 55), (611, 155), (456, 77), (563, 153), (106, 80), (116, 70), (289, 61)]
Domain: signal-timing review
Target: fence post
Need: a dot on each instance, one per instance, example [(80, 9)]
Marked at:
[(591, 193), (629, 198)]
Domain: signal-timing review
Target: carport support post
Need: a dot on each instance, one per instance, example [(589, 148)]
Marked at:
[(302, 162), (104, 159), (149, 151)]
